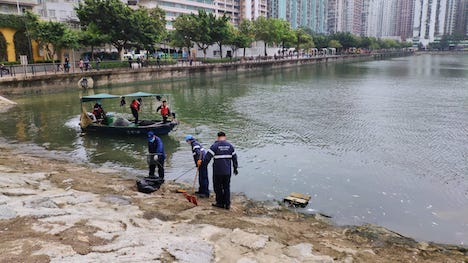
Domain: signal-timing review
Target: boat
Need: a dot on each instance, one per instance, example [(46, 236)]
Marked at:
[(112, 124)]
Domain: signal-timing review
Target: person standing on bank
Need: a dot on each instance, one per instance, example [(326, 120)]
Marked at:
[(223, 154), (66, 65), (98, 63), (198, 154), (156, 155)]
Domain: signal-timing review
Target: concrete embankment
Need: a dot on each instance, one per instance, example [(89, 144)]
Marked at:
[(42, 83), (4, 100), (6, 104), (54, 210)]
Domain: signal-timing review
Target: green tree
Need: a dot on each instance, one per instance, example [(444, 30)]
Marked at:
[(184, 33), (239, 40), (303, 40), (120, 24), (365, 42), (236, 40), (246, 35), (335, 44), (285, 35), (221, 32), (91, 37), (270, 31), (204, 23), (374, 44), (262, 31), (382, 44), (111, 18), (346, 39), (387, 43), (150, 26), (321, 41), (407, 44), (53, 36)]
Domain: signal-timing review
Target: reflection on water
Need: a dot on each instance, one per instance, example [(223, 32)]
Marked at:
[(380, 142), (127, 151)]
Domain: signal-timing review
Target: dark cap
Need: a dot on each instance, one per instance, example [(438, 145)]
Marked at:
[(221, 134)]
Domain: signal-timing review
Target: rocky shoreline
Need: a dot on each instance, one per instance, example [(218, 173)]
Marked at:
[(54, 210)]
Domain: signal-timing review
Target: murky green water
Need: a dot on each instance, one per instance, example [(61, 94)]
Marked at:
[(382, 142)]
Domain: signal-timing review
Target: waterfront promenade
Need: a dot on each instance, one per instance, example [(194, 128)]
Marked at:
[(51, 80)]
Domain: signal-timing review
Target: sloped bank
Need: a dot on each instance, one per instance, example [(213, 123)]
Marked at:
[(21, 84), (53, 210)]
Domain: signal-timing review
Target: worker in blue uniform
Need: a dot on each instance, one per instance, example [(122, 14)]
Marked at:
[(223, 154), (199, 153), (156, 155)]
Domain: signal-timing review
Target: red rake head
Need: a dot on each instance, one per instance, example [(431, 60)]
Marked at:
[(192, 199)]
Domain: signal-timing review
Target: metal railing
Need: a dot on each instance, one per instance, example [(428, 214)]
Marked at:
[(32, 69), (54, 69)]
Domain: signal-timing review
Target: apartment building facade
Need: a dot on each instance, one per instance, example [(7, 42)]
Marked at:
[(301, 13)]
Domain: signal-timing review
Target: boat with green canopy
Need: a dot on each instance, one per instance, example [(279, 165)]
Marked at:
[(101, 122)]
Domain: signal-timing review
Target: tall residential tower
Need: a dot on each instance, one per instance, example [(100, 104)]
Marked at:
[(311, 14)]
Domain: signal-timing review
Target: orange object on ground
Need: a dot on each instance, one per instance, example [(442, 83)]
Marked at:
[(192, 198)]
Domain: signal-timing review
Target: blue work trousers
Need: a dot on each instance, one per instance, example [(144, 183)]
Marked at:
[(221, 185), (203, 181)]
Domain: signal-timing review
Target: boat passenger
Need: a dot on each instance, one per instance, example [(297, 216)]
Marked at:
[(98, 111), (165, 111), (135, 107)]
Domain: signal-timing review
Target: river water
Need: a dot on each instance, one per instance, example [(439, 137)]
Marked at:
[(382, 142)]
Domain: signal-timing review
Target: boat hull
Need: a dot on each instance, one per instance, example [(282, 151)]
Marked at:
[(158, 129)]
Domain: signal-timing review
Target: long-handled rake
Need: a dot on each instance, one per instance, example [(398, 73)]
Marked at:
[(192, 198)]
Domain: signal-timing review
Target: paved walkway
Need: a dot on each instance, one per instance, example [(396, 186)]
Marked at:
[(18, 72)]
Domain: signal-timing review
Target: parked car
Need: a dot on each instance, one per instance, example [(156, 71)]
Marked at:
[(127, 56)]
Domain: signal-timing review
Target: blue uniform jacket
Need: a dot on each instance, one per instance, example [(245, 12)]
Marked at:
[(198, 151), (157, 147), (223, 153)]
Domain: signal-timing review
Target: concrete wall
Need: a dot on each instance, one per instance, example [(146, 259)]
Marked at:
[(63, 81)]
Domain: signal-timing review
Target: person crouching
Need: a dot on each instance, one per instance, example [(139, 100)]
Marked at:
[(156, 155), (198, 153)]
